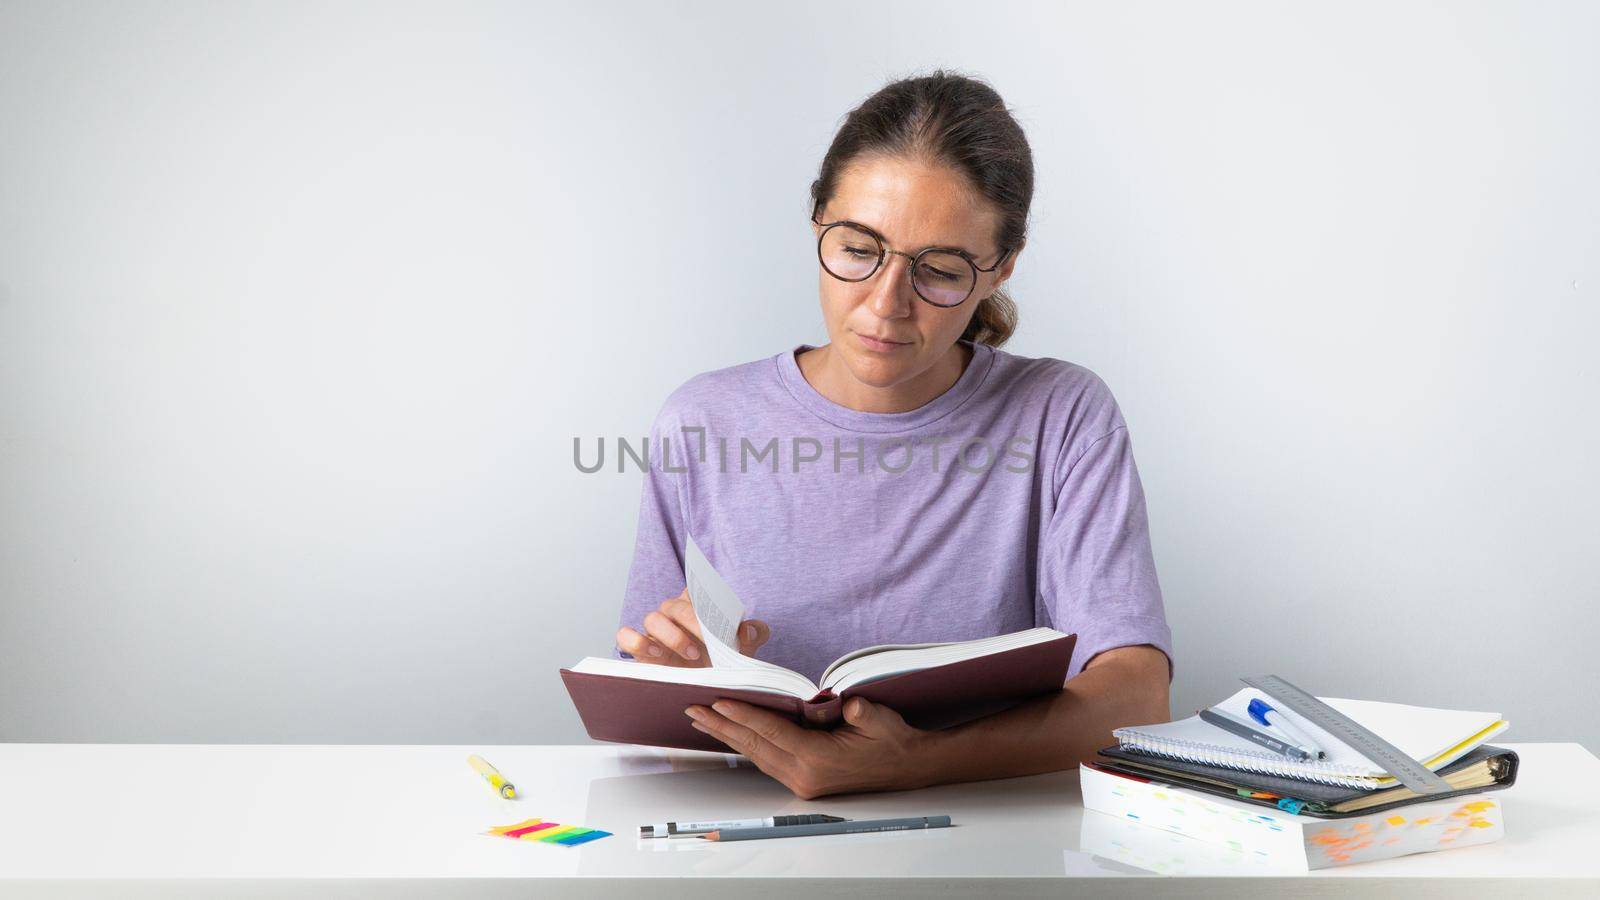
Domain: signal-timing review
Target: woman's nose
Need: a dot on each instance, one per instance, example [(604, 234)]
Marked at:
[(892, 294)]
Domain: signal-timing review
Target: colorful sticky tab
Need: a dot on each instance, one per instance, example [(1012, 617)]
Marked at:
[(548, 832)]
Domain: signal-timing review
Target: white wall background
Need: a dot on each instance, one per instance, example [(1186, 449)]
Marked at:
[(301, 307)]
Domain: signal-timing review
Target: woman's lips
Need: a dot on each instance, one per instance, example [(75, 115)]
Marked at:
[(872, 343)]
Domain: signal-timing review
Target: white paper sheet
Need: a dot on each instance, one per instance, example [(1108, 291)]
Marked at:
[(717, 608)]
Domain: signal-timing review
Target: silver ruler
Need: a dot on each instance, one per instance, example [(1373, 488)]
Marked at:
[(1411, 773)]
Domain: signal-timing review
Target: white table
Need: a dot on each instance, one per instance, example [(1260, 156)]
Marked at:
[(223, 821)]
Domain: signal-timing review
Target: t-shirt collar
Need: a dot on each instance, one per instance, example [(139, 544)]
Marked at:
[(856, 420)]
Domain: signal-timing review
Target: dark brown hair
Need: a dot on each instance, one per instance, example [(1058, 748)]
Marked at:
[(956, 121)]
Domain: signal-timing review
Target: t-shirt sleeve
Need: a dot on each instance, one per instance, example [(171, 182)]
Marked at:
[(656, 573), (1097, 572)]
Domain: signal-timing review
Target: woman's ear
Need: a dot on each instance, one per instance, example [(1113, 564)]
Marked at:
[(1004, 271)]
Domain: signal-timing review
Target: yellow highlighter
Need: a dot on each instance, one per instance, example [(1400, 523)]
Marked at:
[(492, 775)]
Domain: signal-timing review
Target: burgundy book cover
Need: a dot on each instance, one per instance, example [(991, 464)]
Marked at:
[(640, 711)]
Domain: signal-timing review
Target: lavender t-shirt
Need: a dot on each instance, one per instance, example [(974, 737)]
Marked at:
[(1009, 501)]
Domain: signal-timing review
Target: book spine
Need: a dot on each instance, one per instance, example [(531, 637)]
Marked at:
[(1258, 832), (825, 710), (1415, 828), (1244, 836)]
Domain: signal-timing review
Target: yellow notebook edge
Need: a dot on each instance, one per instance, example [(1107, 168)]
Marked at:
[(1462, 749), (1446, 757)]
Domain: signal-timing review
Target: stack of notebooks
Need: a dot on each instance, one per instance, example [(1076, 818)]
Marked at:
[(1197, 780)]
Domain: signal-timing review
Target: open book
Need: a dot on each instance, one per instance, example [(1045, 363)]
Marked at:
[(931, 685)]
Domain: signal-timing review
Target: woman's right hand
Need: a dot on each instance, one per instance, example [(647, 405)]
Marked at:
[(672, 636)]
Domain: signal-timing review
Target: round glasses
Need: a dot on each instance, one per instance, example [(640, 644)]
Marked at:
[(941, 276)]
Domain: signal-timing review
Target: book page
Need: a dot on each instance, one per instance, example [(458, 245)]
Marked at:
[(887, 660), (776, 680)]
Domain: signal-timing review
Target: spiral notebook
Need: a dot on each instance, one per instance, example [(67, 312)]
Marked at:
[(1433, 737)]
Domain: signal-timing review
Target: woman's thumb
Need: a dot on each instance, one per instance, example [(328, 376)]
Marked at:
[(752, 634), (859, 712)]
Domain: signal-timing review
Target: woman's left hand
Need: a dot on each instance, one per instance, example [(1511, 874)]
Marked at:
[(873, 750)]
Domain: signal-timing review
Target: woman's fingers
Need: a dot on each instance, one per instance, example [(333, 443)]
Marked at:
[(665, 631), (681, 611), (640, 647), (751, 635), (671, 635)]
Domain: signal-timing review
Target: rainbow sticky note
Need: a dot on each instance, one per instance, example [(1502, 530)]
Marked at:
[(548, 832)]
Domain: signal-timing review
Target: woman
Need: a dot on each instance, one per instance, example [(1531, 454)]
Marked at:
[(908, 481)]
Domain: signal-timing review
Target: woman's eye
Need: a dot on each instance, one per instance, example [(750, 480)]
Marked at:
[(936, 273), (857, 253)]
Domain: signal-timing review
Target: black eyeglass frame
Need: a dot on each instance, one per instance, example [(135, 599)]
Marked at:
[(884, 251)]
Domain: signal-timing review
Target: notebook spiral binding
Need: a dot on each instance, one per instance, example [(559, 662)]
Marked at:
[(1318, 771)]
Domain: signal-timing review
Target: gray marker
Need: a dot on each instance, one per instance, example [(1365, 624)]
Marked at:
[(864, 825), (1248, 732), (684, 829)]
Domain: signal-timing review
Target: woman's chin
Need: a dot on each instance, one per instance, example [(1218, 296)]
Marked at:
[(878, 372)]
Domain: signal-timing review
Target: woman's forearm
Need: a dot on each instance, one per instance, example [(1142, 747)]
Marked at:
[(1125, 686)]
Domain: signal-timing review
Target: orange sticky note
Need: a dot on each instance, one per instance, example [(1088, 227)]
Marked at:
[(502, 829)]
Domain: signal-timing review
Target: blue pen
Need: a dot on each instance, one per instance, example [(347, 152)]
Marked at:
[(1262, 712)]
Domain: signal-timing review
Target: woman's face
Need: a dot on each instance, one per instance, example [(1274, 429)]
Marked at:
[(879, 328)]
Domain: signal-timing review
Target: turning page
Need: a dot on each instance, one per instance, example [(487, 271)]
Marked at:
[(719, 612), (716, 607)]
